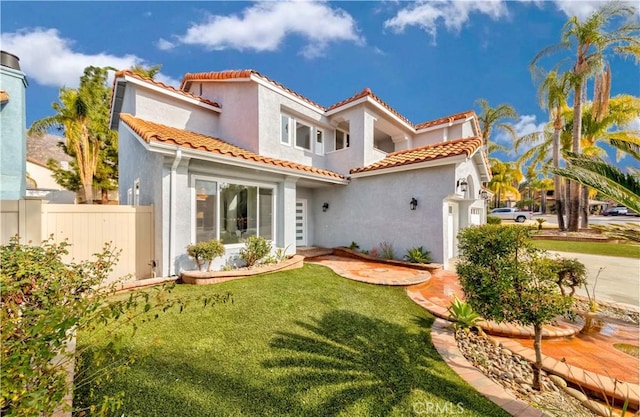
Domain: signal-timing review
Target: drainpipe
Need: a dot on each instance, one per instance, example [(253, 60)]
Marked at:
[(172, 213)]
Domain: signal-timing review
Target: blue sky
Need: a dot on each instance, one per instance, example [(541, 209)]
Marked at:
[(426, 59)]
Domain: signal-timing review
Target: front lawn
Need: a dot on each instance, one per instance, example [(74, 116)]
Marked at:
[(296, 343), (625, 250)]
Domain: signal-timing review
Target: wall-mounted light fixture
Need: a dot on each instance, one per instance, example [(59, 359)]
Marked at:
[(462, 185), (483, 194), (413, 203), (325, 206)]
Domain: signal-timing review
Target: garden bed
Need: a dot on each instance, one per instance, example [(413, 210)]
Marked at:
[(349, 253), (214, 277)]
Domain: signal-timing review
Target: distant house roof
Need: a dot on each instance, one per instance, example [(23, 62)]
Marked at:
[(155, 132), (4, 96), (42, 148), (465, 146)]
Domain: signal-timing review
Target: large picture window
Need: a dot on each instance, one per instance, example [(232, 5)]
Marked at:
[(303, 136), (232, 212), (342, 139)]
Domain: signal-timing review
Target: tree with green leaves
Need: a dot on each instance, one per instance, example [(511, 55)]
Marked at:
[(589, 43), (504, 181), (495, 118), (506, 279)]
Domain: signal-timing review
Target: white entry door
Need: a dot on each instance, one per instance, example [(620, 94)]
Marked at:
[(301, 222), (452, 231)]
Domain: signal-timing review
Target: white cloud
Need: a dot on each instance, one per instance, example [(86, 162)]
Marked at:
[(165, 45), (428, 15), (634, 125), (49, 59), (525, 125), (264, 26), (583, 9)]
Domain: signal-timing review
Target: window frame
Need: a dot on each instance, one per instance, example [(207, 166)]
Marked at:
[(319, 146), (288, 125), (226, 180), (347, 139), (311, 136)]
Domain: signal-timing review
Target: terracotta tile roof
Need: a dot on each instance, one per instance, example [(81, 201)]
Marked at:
[(446, 119), (4, 96), (235, 74), (150, 131), (367, 92), (425, 153), (132, 74)]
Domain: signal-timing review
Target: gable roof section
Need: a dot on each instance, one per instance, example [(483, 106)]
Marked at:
[(441, 150), (446, 119), (4, 96), (129, 73), (247, 74), (155, 132), (368, 93)]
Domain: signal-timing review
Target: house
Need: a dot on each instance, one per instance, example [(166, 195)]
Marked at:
[(233, 154), (13, 148), (40, 179)]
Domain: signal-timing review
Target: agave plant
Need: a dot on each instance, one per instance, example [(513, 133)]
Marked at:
[(418, 255), (462, 314)]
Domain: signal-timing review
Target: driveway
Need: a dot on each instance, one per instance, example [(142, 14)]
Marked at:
[(619, 281)]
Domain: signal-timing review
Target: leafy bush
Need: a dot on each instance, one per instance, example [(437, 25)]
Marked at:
[(494, 220), (353, 246), (206, 251), (43, 302), (255, 248), (386, 250), (463, 315), (505, 278), (418, 255), (571, 273)]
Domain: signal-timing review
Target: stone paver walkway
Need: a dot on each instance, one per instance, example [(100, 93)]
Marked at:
[(372, 272)]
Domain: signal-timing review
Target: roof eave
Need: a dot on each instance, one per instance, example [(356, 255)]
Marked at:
[(443, 124), (375, 103), (449, 160)]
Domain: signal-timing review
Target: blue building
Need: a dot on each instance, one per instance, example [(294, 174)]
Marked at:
[(13, 141)]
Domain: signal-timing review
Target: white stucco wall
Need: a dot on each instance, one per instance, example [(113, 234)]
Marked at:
[(374, 209), (42, 176)]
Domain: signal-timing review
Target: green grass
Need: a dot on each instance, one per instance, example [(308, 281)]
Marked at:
[(296, 343), (626, 250)]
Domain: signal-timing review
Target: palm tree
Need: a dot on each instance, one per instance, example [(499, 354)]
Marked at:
[(553, 92), (604, 125), (504, 181), (72, 119), (589, 41), (491, 118)]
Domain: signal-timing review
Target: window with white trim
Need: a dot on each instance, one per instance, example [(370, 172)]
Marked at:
[(303, 135), (232, 212), (342, 139), (319, 142), (136, 192), (285, 132)]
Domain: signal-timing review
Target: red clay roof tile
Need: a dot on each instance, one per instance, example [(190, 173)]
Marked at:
[(367, 92), (425, 153), (446, 119), (4, 96), (150, 131), (130, 73)]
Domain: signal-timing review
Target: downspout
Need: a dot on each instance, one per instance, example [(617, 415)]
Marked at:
[(172, 212)]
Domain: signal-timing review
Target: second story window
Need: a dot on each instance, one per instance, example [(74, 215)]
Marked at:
[(342, 139), (285, 131), (319, 142), (303, 135)]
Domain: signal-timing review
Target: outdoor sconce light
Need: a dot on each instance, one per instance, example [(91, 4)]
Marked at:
[(484, 194), (462, 184), (325, 206), (413, 203)]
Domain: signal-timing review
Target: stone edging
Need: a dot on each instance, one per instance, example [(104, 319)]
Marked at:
[(214, 277), (349, 253), (446, 345)]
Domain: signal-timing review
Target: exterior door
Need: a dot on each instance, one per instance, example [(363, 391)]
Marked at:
[(301, 222), (451, 249)]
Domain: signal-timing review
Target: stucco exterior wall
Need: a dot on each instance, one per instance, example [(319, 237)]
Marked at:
[(374, 209), (159, 108), (42, 176), (13, 143)]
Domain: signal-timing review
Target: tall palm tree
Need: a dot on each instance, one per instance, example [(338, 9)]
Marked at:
[(72, 119), (590, 41), (491, 118), (553, 92), (504, 181)]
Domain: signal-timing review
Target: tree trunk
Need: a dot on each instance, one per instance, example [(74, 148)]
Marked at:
[(87, 187), (537, 346), (574, 189), (104, 197), (585, 208), (558, 192)]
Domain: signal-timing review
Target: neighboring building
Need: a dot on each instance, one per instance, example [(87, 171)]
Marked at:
[(40, 180), (13, 147), (233, 154)]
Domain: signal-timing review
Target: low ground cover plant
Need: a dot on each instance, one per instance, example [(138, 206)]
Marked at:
[(387, 251), (418, 255)]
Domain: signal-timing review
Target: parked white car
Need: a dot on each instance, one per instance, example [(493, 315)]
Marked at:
[(511, 213)]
